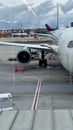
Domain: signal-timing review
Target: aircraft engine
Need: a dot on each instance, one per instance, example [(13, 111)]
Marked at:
[(24, 56)]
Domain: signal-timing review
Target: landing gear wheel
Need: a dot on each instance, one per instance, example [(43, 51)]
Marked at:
[(43, 63), (40, 63)]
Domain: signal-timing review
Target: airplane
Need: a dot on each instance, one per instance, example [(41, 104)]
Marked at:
[(49, 28), (63, 48), (57, 32)]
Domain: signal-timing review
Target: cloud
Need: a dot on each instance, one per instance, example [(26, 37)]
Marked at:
[(1, 4), (44, 7), (46, 13), (67, 6)]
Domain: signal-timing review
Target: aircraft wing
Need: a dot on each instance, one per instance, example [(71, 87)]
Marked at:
[(49, 35), (45, 47)]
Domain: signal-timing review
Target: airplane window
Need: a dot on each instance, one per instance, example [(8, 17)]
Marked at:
[(70, 45)]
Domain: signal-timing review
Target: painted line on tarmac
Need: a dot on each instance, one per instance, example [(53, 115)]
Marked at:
[(36, 96)]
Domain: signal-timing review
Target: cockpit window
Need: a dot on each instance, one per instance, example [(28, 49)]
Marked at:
[(70, 45)]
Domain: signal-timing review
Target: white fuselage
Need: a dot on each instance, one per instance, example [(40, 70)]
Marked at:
[(65, 50)]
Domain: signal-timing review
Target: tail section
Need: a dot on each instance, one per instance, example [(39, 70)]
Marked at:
[(49, 28), (57, 27)]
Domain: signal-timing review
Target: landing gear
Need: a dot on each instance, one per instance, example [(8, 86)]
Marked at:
[(42, 61)]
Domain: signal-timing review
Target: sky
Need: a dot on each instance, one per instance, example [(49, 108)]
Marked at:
[(45, 11), (18, 2)]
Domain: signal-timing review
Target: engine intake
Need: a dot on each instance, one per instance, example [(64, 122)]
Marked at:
[(24, 56)]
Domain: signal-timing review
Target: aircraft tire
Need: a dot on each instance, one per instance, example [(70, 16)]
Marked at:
[(43, 63), (40, 63)]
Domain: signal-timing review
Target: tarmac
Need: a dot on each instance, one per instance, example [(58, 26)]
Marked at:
[(55, 100), (56, 86)]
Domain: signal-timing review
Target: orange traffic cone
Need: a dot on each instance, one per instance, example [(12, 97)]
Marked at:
[(23, 69), (16, 69)]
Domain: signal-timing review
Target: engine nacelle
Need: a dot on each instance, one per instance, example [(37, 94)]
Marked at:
[(24, 56)]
